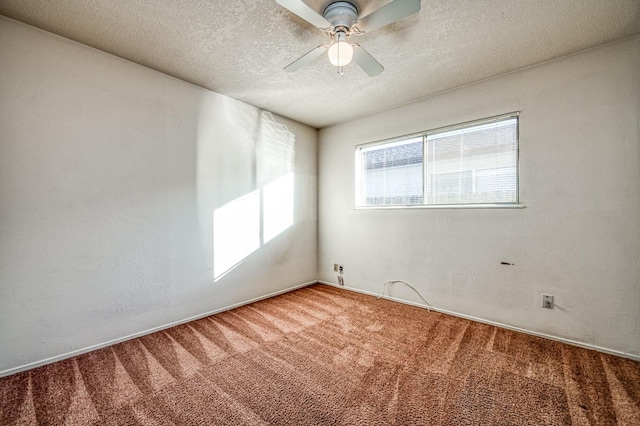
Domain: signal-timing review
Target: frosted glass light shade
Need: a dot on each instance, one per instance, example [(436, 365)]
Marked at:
[(340, 53)]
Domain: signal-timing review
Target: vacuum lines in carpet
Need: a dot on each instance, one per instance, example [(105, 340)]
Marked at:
[(326, 356)]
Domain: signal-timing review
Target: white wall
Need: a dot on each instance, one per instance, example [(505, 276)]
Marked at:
[(578, 237), (110, 174)]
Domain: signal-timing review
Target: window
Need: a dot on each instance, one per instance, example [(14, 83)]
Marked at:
[(474, 164)]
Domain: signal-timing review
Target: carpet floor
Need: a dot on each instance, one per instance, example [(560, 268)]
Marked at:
[(325, 356)]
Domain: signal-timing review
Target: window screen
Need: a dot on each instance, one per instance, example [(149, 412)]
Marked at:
[(474, 163)]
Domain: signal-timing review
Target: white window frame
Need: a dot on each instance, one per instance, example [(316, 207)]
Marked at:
[(359, 149)]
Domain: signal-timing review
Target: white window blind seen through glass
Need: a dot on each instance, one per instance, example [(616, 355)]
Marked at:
[(473, 165), (392, 174), (469, 164)]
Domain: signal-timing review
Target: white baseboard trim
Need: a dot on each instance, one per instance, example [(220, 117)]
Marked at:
[(494, 323), (76, 352)]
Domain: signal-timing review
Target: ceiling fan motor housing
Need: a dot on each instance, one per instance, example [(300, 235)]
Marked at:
[(341, 14)]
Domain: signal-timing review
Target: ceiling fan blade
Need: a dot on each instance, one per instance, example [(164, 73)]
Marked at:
[(305, 12), (388, 14), (366, 61), (305, 59)]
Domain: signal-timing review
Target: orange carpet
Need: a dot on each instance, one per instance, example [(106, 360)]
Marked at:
[(325, 356)]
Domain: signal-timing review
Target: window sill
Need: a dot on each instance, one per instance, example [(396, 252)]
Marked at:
[(444, 206)]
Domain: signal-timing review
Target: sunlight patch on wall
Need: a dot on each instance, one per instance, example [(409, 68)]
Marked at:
[(277, 207), (236, 232), (242, 226)]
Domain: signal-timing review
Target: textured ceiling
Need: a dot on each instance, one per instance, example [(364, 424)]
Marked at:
[(239, 47)]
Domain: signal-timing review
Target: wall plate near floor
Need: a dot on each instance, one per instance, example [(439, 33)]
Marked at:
[(547, 301)]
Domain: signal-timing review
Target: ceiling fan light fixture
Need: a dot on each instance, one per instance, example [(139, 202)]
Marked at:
[(340, 20), (340, 52)]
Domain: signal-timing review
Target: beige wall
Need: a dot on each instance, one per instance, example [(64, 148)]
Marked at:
[(578, 237), (110, 177)]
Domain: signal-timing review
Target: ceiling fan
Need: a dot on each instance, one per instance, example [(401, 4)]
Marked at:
[(340, 21)]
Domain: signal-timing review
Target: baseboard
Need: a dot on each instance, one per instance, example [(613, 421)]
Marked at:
[(494, 323), (76, 352)]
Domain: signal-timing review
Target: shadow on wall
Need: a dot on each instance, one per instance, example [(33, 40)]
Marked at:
[(246, 177)]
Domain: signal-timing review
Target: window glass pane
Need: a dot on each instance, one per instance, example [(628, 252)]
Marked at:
[(473, 165), (392, 174)]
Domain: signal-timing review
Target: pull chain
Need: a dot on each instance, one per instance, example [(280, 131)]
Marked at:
[(339, 68)]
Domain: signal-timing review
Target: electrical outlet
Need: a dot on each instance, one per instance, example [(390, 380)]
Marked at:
[(547, 301), (335, 267)]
